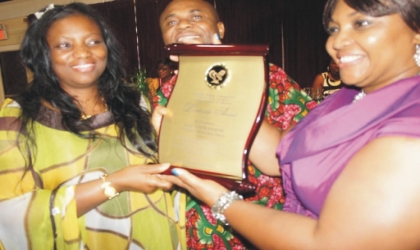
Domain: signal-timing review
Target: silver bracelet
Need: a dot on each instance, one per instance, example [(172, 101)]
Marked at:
[(222, 204)]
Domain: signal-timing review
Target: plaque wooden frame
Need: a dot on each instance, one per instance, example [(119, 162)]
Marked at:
[(214, 72)]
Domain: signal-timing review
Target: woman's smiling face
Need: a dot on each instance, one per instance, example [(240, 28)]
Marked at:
[(371, 52), (78, 51)]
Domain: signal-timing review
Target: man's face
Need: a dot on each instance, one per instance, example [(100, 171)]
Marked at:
[(190, 22)]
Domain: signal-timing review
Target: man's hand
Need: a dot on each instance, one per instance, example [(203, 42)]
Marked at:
[(157, 116)]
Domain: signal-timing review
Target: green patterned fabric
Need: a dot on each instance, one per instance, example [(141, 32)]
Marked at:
[(38, 208), (287, 104)]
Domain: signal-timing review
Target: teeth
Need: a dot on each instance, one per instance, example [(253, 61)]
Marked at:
[(187, 38), (347, 59), (83, 66)]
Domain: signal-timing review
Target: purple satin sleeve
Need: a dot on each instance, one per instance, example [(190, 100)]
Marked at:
[(315, 152)]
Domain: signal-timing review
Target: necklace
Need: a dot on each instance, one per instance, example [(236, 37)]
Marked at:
[(85, 116), (359, 96)]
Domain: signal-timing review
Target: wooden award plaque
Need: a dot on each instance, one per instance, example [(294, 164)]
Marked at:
[(215, 110)]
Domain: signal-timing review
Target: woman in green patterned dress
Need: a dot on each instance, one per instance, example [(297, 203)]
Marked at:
[(77, 151)]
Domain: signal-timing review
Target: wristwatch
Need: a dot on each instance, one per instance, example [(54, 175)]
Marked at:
[(109, 191)]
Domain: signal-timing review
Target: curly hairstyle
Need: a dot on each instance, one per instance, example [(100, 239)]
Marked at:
[(122, 98), (408, 10)]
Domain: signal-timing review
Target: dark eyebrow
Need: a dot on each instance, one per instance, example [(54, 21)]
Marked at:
[(353, 13), (168, 16), (349, 15), (195, 11), (191, 12)]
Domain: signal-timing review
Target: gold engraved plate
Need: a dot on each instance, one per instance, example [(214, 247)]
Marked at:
[(212, 123)]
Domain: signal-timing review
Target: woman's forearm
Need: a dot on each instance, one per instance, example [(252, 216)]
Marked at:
[(271, 229), (89, 195), (137, 178)]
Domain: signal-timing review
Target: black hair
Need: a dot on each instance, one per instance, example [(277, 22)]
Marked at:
[(166, 62), (122, 98), (408, 10)]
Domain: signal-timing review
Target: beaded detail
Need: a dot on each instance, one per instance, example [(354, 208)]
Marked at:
[(222, 203), (359, 96)]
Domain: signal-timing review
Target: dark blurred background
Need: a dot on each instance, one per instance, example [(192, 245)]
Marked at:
[(292, 28)]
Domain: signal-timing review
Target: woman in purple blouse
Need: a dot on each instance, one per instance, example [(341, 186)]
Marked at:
[(350, 168)]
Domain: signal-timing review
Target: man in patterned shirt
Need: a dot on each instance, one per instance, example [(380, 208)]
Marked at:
[(197, 22)]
